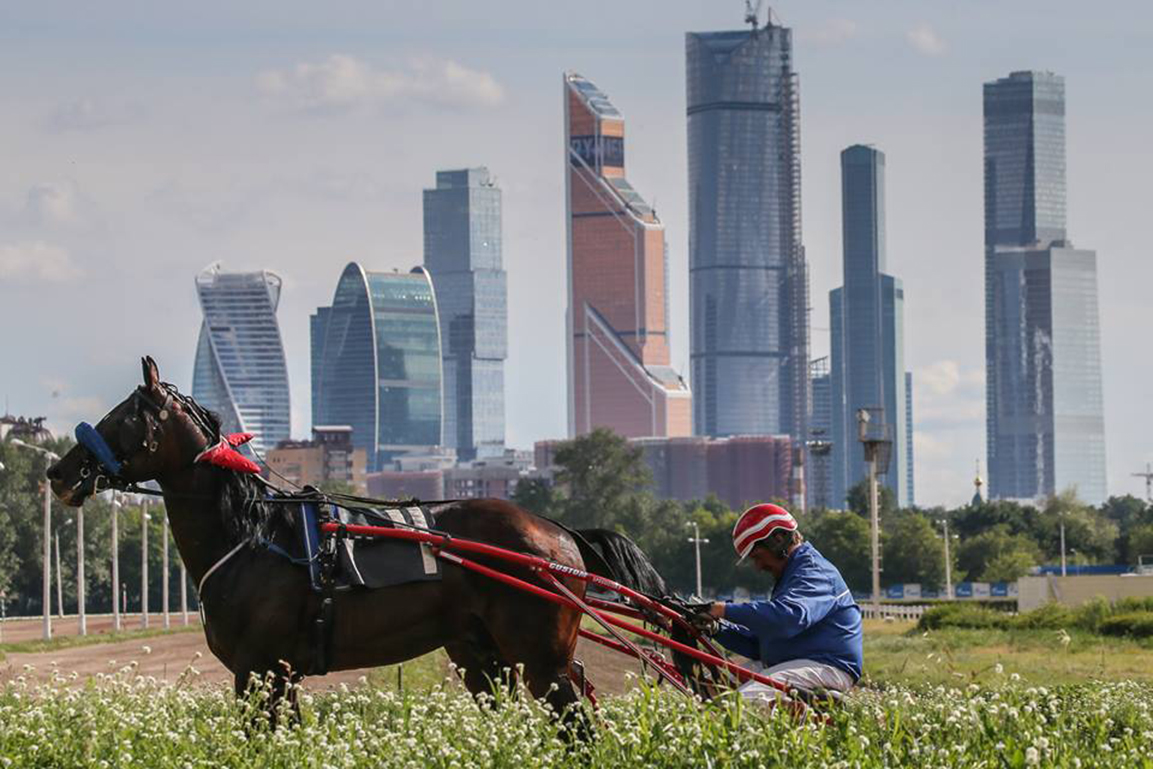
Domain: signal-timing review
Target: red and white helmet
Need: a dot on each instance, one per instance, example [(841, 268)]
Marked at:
[(758, 522)]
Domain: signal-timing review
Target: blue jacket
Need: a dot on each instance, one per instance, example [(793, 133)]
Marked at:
[(811, 615)]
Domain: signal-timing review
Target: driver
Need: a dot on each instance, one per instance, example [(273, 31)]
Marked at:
[(808, 634)]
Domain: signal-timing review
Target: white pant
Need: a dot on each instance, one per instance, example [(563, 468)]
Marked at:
[(802, 674)]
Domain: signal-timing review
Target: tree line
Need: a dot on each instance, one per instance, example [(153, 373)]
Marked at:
[(602, 481), (21, 542)]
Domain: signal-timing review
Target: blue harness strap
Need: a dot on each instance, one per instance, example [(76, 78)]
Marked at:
[(87, 437)]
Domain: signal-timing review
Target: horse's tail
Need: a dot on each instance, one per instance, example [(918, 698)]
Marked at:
[(628, 563)]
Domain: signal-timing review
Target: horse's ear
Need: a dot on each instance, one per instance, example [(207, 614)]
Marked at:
[(151, 372)]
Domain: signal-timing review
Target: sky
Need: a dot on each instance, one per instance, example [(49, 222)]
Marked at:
[(141, 142)]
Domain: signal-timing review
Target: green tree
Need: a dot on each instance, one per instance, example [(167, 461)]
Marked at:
[(1141, 543), (998, 553), (1086, 530), (536, 495), (843, 538), (912, 551), (857, 499), (602, 474)]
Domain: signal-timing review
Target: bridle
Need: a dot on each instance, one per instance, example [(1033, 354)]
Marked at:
[(107, 465)]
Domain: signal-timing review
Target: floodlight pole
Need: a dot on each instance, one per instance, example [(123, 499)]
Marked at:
[(59, 577), (870, 448)]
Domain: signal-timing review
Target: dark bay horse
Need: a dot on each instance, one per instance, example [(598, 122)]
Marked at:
[(259, 609)]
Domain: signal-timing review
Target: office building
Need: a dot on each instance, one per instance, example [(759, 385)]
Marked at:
[(867, 368), (748, 286), (376, 363), (1045, 429), (240, 371), (617, 319), (462, 253)]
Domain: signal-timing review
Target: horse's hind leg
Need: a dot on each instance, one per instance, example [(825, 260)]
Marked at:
[(476, 655), (547, 661)]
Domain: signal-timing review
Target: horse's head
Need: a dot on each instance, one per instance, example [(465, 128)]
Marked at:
[(153, 431)]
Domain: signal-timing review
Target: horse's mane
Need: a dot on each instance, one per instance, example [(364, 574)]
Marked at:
[(240, 496), (631, 565)]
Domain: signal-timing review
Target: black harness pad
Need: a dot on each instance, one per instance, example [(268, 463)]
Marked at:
[(361, 561), (374, 562)]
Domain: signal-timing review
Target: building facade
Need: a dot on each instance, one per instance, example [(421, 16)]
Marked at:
[(376, 363), (740, 470), (819, 447), (240, 371), (328, 458), (1045, 428), (867, 368), (617, 319), (748, 286), (462, 253)]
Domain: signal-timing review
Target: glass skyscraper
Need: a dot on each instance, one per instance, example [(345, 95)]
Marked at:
[(376, 362), (619, 373), (748, 287), (1045, 429), (868, 355), (462, 252), (240, 371)]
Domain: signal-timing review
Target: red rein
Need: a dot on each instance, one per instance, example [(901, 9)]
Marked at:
[(448, 548)]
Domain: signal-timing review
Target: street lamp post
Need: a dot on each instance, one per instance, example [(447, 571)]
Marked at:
[(59, 578), (1062, 546), (116, 505), (696, 540), (948, 563), (47, 554), (164, 573), (82, 616), (144, 519), (184, 591)]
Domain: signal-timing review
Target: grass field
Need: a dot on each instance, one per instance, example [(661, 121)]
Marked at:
[(936, 699), (898, 653)]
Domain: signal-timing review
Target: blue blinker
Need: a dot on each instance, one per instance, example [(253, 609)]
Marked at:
[(87, 437)]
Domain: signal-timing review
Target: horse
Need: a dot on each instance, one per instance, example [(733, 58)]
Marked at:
[(259, 609)]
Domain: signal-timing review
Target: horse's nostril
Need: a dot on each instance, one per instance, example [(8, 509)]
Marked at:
[(53, 472)]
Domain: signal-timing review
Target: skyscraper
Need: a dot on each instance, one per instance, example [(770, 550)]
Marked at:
[(1045, 429), (462, 253), (240, 371), (818, 456), (618, 348), (748, 285), (376, 362), (868, 357)]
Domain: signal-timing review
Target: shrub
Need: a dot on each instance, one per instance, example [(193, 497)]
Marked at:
[(1138, 624), (1090, 615), (1134, 604), (962, 615), (1051, 616)]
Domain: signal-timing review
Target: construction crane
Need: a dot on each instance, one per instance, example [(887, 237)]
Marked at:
[(752, 12), (1148, 476)]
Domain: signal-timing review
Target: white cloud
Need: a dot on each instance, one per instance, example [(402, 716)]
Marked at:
[(341, 82), (925, 40), (832, 32), (37, 261), (53, 203), (89, 114)]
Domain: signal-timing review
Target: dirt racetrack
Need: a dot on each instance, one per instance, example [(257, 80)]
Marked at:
[(167, 656)]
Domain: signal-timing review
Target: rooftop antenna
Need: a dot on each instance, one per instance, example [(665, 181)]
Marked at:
[(1148, 476), (752, 12)]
